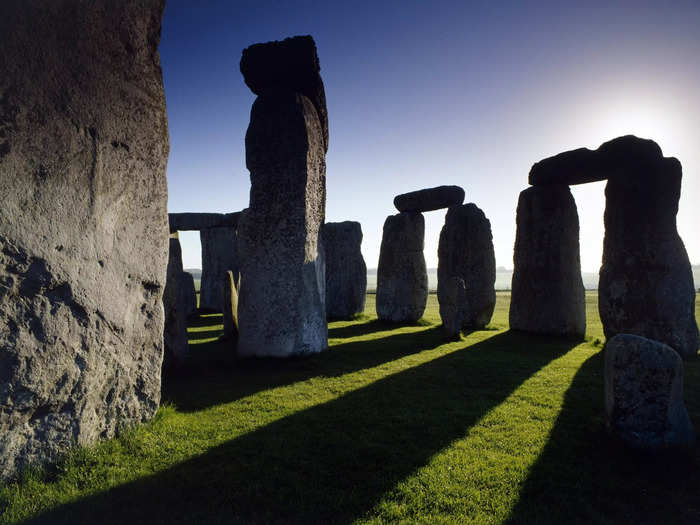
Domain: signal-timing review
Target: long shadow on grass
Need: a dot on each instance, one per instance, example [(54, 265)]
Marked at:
[(583, 477), (213, 376), (359, 329), (333, 462)]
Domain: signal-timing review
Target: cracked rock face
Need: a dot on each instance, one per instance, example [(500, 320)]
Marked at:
[(83, 222), (644, 394)]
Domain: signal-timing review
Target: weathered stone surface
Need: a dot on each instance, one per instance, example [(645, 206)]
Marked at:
[(612, 159), (646, 282), (547, 294), (644, 394), (201, 221), (466, 251), (430, 199), (83, 222), (290, 66), (175, 332), (281, 303), (230, 307), (190, 292), (219, 255), (346, 272), (452, 294), (402, 278)]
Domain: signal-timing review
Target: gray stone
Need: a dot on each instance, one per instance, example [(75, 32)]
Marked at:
[(281, 303), (646, 282), (219, 255), (452, 296), (644, 394), (83, 223), (175, 308), (466, 251), (189, 293), (547, 295), (402, 278), (289, 66), (201, 221), (430, 199), (230, 307), (346, 272)]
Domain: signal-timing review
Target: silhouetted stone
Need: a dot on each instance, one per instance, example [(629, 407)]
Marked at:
[(430, 199), (402, 278), (230, 307), (466, 251), (219, 254), (644, 394), (83, 222), (175, 307), (547, 294), (452, 294), (201, 221), (290, 66), (189, 292), (646, 281), (346, 272), (281, 303)]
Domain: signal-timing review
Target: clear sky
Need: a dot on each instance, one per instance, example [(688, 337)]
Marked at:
[(425, 93)]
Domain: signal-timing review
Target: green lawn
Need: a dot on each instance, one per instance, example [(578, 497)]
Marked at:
[(391, 424)]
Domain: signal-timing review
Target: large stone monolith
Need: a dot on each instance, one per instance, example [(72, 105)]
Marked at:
[(430, 199), (219, 255), (83, 222), (547, 294), (466, 251), (402, 278), (346, 272), (281, 305), (644, 394), (230, 306), (646, 281), (175, 307), (190, 293)]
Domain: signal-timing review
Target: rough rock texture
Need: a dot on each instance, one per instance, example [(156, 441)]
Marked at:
[(466, 251), (83, 222), (452, 293), (289, 66), (346, 272), (430, 199), (175, 307), (201, 221), (189, 293), (230, 307), (219, 255), (646, 282), (644, 393), (402, 278), (281, 303), (547, 294)]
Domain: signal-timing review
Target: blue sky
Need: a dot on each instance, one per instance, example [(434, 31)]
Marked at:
[(422, 94)]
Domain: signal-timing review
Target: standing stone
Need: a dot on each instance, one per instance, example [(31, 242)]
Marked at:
[(646, 281), (83, 222), (230, 307), (452, 296), (402, 278), (175, 333), (547, 290), (430, 199), (644, 394), (281, 308), (219, 255), (346, 272), (190, 292), (466, 251)]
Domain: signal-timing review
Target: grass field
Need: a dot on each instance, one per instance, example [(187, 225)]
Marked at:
[(391, 424)]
